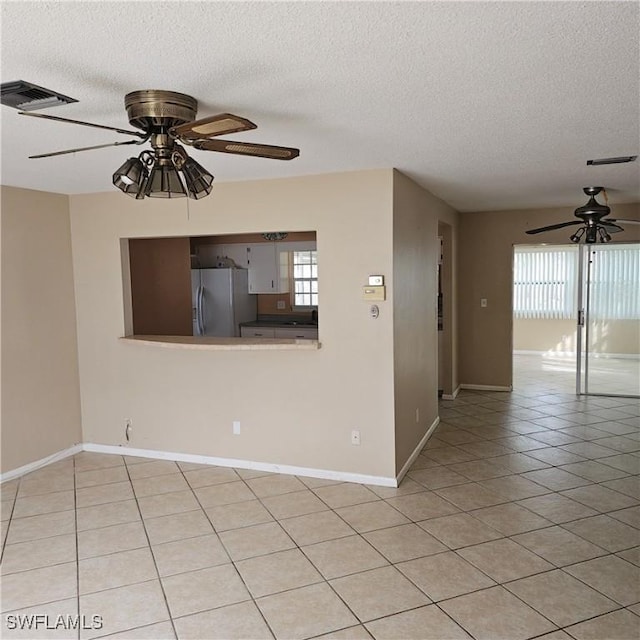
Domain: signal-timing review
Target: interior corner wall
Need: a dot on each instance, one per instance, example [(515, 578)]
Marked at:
[(485, 270), (40, 386), (296, 407), (416, 214)]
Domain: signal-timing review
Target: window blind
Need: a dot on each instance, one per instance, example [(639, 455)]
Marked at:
[(615, 283), (546, 282)]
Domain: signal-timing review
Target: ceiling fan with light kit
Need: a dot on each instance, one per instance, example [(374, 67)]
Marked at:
[(167, 121), (593, 221)]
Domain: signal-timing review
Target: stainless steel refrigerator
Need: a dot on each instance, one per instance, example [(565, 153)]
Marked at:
[(221, 301)]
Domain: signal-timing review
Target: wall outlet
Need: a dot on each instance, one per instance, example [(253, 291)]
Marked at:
[(483, 302), (281, 304), (128, 428), (355, 437), (236, 427)]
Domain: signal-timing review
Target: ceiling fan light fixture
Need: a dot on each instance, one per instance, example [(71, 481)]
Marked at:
[(164, 182), (577, 235), (591, 235), (197, 179), (604, 235), (130, 177)]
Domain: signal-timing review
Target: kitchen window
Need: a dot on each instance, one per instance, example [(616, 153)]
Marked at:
[(305, 279)]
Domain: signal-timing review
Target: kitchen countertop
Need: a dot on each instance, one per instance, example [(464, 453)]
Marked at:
[(280, 324), (223, 344)]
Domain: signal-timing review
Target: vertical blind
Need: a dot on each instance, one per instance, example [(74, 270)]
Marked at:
[(614, 291), (546, 282)]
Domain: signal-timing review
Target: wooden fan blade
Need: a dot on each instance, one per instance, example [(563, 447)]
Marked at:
[(97, 146), (248, 149), (84, 124), (213, 126), (622, 220), (610, 227), (554, 226)]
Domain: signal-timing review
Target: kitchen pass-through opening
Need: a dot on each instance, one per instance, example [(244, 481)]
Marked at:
[(219, 285)]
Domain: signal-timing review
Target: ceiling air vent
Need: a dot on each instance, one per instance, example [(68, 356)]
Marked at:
[(616, 160), (30, 97)]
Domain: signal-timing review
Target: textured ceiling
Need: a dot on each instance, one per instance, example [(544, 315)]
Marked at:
[(489, 105)]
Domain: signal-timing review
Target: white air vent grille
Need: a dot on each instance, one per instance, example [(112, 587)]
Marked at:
[(30, 97)]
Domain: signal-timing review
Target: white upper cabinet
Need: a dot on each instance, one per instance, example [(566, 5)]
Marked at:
[(210, 255), (238, 253), (268, 268)]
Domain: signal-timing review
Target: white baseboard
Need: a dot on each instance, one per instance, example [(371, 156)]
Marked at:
[(38, 464), (325, 474), (416, 451), (452, 396), (485, 387), (529, 352), (572, 354)]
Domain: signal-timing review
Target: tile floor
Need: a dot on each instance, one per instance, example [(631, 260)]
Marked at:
[(519, 519)]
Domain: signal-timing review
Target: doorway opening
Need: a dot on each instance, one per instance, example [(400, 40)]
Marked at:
[(447, 374)]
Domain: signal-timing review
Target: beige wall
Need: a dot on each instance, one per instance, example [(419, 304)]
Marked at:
[(605, 336), (295, 407), (416, 215), (485, 271), (40, 388)]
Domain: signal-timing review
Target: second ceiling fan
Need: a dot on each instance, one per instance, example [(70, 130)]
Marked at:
[(593, 221)]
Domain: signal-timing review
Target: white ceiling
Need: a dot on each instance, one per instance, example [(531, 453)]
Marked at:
[(489, 105)]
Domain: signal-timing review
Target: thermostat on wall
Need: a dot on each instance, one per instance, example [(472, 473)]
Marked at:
[(374, 293), (376, 281)]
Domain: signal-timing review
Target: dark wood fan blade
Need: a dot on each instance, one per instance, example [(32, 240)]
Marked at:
[(84, 124), (610, 227), (554, 226), (97, 146), (213, 126), (248, 149), (614, 220)]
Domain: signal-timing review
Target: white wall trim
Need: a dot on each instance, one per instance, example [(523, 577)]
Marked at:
[(485, 387), (452, 396), (38, 464), (416, 452), (324, 474)]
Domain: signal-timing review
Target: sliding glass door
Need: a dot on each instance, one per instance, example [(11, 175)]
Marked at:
[(576, 309), (608, 337)]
